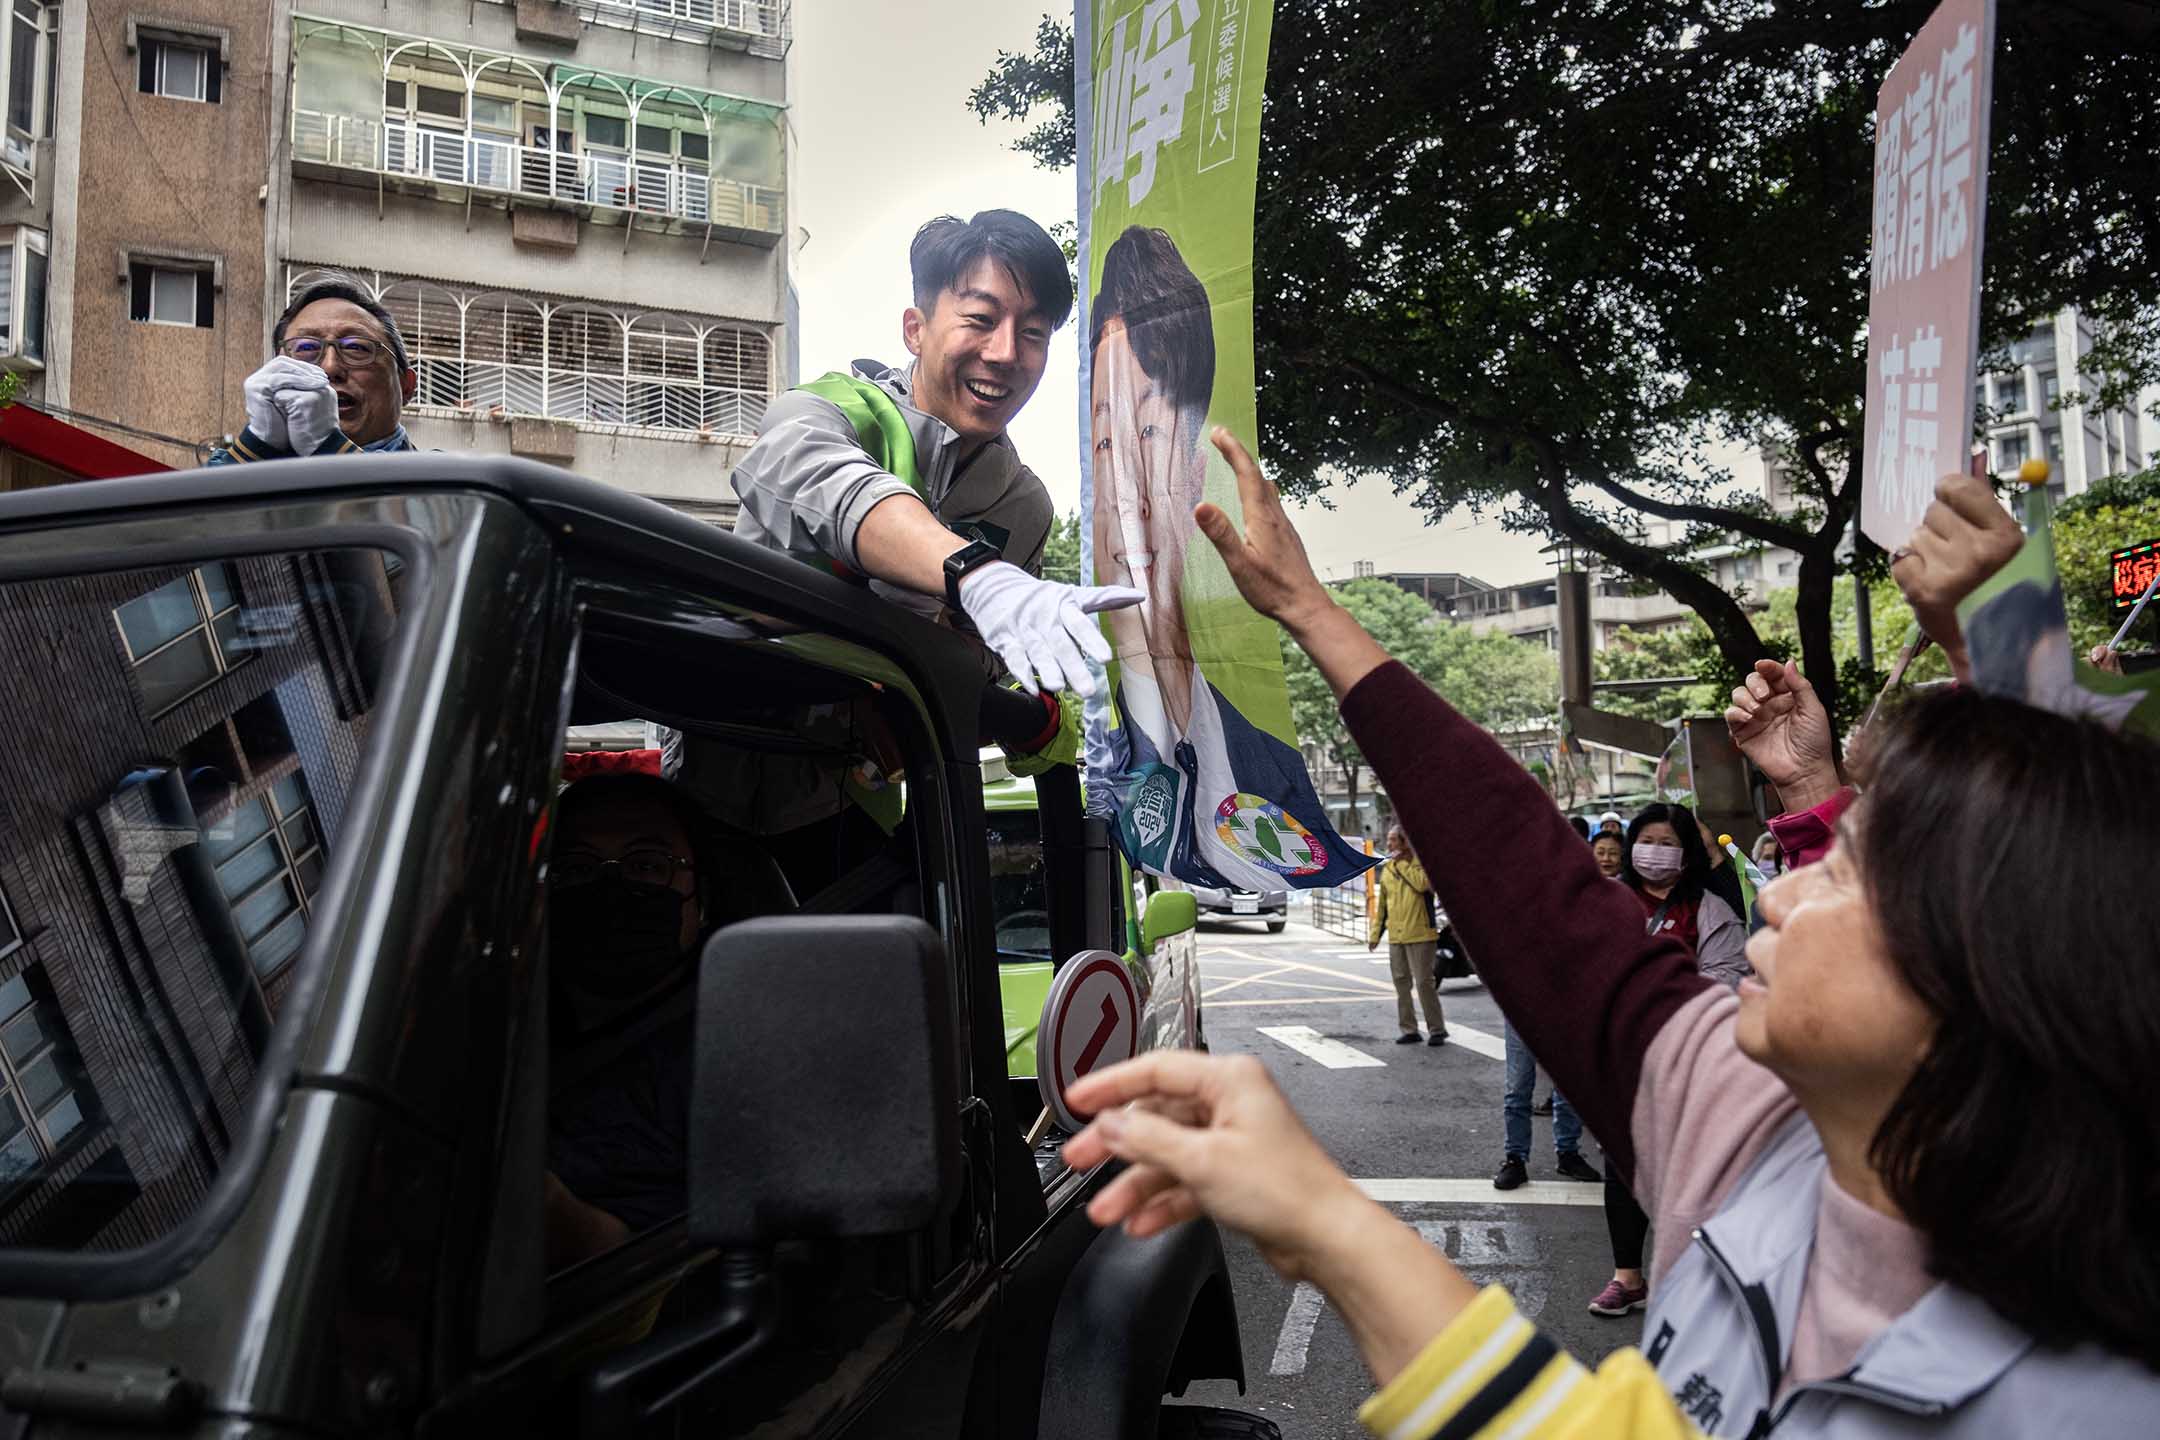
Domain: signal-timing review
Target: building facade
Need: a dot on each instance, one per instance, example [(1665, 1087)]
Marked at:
[(576, 210)]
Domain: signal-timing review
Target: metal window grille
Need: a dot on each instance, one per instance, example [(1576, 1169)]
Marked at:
[(591, 364), (183, 635), (45, 1098)]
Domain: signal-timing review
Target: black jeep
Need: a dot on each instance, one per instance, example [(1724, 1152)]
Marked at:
[(283, 1055)]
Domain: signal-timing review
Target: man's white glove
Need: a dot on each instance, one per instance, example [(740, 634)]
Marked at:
[(302, 408), (264, 417), (1040, 627)]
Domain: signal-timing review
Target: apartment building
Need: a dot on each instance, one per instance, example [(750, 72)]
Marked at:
[(2039, 409), (131, 224), (576, 209)]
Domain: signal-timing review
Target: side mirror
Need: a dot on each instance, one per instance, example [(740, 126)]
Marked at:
[(825, 1099), (1169, 912)]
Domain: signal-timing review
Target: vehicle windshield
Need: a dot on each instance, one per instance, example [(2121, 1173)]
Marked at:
[(183, 745), (1019, 885)]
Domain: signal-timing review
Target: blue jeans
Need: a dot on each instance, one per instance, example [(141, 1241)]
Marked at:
[(1515, 1108)]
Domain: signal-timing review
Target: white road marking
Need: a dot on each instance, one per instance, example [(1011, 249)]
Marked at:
[(1478, 1042), (1314, 1046), (1481, 1192), (1297, 1328)]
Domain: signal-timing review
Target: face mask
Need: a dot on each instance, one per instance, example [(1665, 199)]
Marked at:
[(614, 939), (1658, 863)]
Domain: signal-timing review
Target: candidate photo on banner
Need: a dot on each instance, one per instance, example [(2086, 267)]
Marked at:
[(1193, 757)]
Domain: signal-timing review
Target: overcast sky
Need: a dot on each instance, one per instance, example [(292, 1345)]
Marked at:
[(884, 140)]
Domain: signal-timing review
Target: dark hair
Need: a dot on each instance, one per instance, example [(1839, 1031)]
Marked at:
[(2008, 855), (1580, 826), (948, 247), (1147, 284), (2002, 633), (342, 287), (1694, 858)]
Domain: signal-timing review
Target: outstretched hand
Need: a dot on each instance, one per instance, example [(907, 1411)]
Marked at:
[(1269, 566), (1779, 722), (1268, 561), (1965, 537), (1207, 1134)]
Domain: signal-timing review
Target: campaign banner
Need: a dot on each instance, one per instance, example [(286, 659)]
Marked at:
[(1931, 149), (1192, 752)]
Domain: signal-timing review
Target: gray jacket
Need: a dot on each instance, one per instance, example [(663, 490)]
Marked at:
[(1948, 1367), (807, 483)]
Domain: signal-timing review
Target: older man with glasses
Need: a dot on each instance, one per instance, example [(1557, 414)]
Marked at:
[(336, 382)]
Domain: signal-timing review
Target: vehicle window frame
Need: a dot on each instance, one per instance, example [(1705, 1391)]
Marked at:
[(598, 1290), (167, 533)]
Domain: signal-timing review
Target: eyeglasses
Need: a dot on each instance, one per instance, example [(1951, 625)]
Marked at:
[(352, 349), (639, 867)]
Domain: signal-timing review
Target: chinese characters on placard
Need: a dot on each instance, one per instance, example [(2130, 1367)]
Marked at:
[(1923, 221), (1142, 85)]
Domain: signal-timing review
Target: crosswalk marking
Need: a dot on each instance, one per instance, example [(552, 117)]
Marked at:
[(1314, 1046), (1478, 1042), (1481, 1192)]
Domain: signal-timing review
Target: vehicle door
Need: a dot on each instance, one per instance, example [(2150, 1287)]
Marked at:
[(793, 743)]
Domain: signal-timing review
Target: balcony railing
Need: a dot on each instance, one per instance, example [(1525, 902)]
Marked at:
[(503, 166), (594, 399), (764, 23)]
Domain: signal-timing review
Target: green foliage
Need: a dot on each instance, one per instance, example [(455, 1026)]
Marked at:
[(2083, 537), (1690, 651), (1061, 552), (1496, 681), (1533, 260)]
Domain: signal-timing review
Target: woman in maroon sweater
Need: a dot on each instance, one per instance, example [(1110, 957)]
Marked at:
[(1922, 1132)]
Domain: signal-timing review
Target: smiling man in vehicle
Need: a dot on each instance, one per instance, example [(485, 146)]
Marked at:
[(336, 382), (906, 480)]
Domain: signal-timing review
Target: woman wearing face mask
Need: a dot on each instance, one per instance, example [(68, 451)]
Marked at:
[(626, 910), (1664, 861)]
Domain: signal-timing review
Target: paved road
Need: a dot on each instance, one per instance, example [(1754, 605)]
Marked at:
[(1427, 1117)]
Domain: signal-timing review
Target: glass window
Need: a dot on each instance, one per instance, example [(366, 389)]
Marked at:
[(1019, 884), (605, 130), (269, 862), (179, 830), (493, 114), (178, 70), (183, 635), (694, 145), (31, 341), (170, 295), (45, 1095), (435, 100), (23, 34)]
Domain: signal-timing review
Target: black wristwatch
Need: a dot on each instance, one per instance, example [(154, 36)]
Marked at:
[(964, 562)]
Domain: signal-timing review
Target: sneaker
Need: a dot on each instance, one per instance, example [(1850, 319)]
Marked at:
[(1544, 1106), (1617, 1299), (1574, 1167), (1512, 1173), (1408, 1037), (1438, 1037)]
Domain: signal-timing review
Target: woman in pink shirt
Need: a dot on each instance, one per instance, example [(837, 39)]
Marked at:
[(1908, 1176)]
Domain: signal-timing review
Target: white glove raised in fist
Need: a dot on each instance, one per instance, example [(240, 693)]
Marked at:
[(290, 405), (1040, 628)]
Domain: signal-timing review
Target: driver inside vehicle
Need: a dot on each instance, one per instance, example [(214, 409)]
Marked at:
[(627, 909)]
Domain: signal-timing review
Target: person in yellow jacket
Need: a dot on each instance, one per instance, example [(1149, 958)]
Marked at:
[(1211, 1134), (1405, 916)]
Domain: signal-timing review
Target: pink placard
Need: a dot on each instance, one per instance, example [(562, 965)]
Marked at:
[(1931, 147)]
